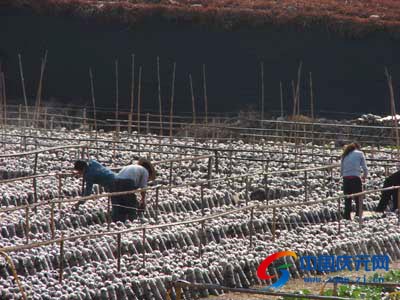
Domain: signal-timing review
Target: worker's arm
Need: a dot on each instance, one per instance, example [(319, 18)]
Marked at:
[(143, 200), (142, 184), (364, 166), (88, 187), (341, 167)]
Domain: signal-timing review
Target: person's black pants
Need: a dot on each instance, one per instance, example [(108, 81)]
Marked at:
[(351, 186), (386, 196), (124, 207)]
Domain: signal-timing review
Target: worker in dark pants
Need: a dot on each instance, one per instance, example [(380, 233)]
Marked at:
[(135, 176), (352, 161), (94, 173), (391, 195)]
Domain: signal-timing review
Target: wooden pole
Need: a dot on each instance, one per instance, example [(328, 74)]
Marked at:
[(132, 94), (281, 94), (52, 225), (94, 110), (311, 97), (93, 98), (247, 189), (171, 109), (393, 109), (60, 278), (144, 248), (139, 98), (305, 186), (298, 87), (4, 95), (59, 191), (312, 116), (339, 217), (1, 99), (119, 252), (294, 100), (36, 116), (205, 94), (159, 96), (116, 91), (262, 93), (27, 225), (193, 101), (273, 223), (23, 86), (19, 114), (202, 200), (398, 206), (170, 173), (108, 213), (157, 206), (209, 172), (251, 227)]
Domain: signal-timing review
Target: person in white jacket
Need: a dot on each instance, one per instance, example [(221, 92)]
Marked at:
[(135, 176), (352, 162)]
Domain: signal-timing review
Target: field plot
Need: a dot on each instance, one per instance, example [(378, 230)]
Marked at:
[(215, 211)]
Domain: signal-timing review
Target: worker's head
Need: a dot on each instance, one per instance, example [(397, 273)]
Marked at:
[(80, 166), (148, 166), (350, 148)]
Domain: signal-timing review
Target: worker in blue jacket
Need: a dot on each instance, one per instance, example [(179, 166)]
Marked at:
[(94, 173)]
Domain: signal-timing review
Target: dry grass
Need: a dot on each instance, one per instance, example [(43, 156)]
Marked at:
[(355, 17)]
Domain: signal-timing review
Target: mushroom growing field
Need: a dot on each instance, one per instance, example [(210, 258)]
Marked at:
[(216, 209)]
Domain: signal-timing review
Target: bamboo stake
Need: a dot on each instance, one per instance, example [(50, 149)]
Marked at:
[(159, 96), (36, 116), (281, 94), (23, 86), (171, 110), (94, 109), (193, 101), (139, 97), (205, 93), (132, 93), (298, 87), (312, 116), (52, 225), (393, 108), (144, 247), (93, 98), (14, 273), (294, 100), (119, 252), (1, 95), (251, 226), (311, 98), (1, 98), (4, 96), (262, 93), (27, 225), (116, 91), (60, 278)]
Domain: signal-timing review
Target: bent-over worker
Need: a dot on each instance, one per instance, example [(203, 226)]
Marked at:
[(132, 177), (391, 195)]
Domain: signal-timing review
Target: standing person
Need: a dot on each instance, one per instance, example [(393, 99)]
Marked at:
[(94, 173), (132, 177), (352, 161), (391, 195)]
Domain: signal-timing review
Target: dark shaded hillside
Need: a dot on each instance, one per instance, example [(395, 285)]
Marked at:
[(348, 74)]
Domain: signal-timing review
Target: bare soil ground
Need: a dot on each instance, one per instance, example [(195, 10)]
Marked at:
[(366, 14)]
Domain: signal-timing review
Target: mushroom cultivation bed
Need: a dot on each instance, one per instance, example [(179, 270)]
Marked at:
[(172, 252)]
